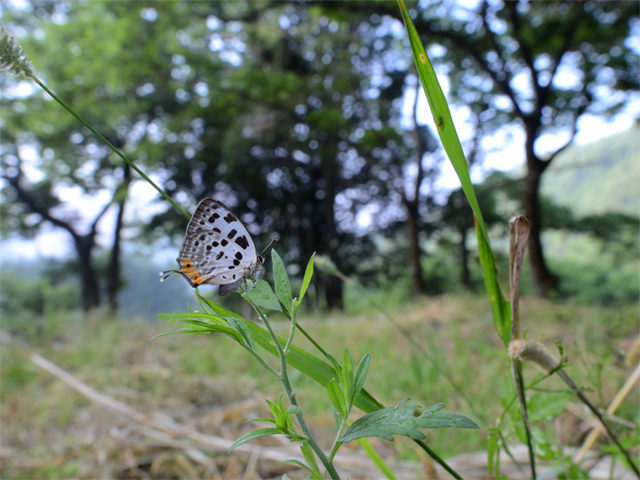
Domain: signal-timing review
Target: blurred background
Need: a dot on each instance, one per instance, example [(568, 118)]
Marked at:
[(307, 120), (303, 118)]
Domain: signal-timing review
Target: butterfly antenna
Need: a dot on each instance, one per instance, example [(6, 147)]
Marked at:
[(275, 238), (166, 274)]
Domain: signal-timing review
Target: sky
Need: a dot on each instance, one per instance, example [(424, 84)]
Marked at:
[(53, 242)]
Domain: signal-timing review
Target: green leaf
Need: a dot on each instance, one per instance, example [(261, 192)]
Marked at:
[(307, 278), (500, 308), (201, 328), (262, 295), (294, 410), (309, 456), (337, 418), (360, 376), (308, 364), (433, 418), (262, 432), (281, 281), (243, 330), (347, 375), (337, 398), (261, 419), (391, 421), (281, 421), (544, 405), (296, 462)]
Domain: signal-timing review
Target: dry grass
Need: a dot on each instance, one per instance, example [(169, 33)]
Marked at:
[(210, 385)]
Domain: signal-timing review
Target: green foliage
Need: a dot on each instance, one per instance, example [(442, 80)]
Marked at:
[(391, 421)]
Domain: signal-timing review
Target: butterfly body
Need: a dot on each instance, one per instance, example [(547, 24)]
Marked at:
[(217, 249)]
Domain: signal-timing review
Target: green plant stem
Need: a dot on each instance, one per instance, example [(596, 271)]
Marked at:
[(336, 442), (261, 361), (284, 378), (517, 373), (110, 145), (442, 463)]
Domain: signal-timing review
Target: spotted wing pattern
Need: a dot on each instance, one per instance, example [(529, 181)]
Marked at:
[(217, 249)]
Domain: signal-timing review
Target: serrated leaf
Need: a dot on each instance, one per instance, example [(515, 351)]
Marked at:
[(387, 422), (360, 376), (337, 397), (433, 418), (281, 281), (262, 295), (262, 432), (294, 410), (308, 273)]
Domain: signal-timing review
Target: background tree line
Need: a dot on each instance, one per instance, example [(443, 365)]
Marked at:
[(298, 116)]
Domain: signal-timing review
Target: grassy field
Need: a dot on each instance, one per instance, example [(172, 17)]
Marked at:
[(51, 431)]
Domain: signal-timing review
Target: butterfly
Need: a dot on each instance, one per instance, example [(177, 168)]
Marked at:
[(217, 250)]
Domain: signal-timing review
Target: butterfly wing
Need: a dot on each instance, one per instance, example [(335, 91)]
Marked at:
[(217, 248)]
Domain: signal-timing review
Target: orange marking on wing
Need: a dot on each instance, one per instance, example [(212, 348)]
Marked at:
[(189, 270)]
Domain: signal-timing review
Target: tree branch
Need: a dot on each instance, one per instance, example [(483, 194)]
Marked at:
[(32, 202)]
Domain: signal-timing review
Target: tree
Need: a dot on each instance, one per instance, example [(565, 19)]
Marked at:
[(109, 85), (536, 65), (492, 49)]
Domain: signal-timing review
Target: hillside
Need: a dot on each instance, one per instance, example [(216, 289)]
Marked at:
[(599, 177)]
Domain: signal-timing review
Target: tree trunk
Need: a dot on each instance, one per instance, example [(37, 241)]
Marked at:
[(333, 285), (544, 280), (415, 254), (90, 290), (114, 270)]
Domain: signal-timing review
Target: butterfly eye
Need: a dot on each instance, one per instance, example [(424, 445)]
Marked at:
[(260, 259)]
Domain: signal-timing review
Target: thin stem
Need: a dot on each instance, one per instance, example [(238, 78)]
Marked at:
[(292, 332), (336, 442), (284, 378), (110, 145), (597, 413), (442, 463), (517, 372), (261, 361)]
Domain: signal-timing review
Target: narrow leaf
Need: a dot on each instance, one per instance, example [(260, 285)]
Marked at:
[(347, 374), (309, 456), (261, 419), (243, 330), (262, 432), (281, 281), (451, 143), (360, 376), (296, 462), (262, 295), (337, 418), (337, 398), (307, 277)]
